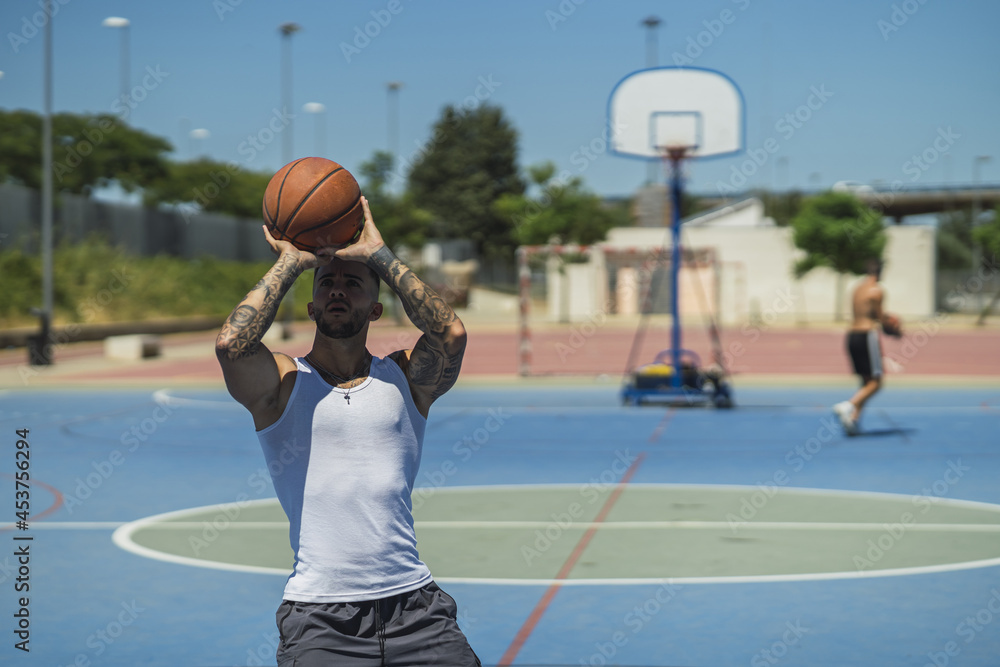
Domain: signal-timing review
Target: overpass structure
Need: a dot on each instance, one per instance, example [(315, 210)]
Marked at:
[(897, 201)]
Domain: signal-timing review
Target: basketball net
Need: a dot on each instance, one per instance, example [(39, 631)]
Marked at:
[(671, 158)]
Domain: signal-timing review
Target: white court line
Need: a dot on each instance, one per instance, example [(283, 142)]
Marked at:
[(429, 491), (581, 525), (68, 525), (188, 525), (164, 397), (122, 537), (749, 525), (741, 579), (797, 409)]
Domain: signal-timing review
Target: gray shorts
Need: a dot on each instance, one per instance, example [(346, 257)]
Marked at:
[(415, 628)]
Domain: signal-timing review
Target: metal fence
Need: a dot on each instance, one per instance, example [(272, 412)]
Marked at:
[(175, 232), (969, 291), (139, 231)]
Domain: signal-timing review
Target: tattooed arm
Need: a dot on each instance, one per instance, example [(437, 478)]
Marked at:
[(433, 364), (254, 376)]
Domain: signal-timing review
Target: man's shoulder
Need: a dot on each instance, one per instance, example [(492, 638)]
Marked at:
[(869, 289), (400, 358), (281, 358)]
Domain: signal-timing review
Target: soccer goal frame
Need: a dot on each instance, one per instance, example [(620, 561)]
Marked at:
[(635, 281)]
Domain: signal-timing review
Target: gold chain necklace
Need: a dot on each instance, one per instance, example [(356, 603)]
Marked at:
[(340, 380)]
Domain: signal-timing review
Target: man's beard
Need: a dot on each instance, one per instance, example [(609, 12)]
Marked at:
[(352, 327)]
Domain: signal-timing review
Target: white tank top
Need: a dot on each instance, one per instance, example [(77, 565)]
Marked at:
[(343, 472)]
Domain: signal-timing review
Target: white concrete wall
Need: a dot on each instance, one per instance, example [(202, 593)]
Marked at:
[(756, 275), (747, 213)]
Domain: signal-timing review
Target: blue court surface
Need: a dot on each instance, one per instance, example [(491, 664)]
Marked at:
[(571, 530)]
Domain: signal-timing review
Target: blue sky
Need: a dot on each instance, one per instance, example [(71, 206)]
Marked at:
[(904, 79)]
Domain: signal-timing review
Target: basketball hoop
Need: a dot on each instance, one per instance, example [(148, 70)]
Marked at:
[(661, 108), (673, 114), (674, 154)]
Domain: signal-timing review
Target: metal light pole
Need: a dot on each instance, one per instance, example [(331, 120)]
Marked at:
[(287, 147), (123, 23), (184, 123), (978, 160), (40, 354), (392, 119), (783, 173), (977, 253), (652, 23), (287, 30), (198, 135), (652, 47), (319, 110)]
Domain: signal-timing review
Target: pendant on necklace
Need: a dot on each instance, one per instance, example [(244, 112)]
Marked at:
[(347, 397)]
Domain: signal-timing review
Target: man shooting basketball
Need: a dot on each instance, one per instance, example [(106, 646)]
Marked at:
[(864, 346), (358, 593)]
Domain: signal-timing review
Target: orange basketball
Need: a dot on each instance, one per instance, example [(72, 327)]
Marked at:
[(314, 203)]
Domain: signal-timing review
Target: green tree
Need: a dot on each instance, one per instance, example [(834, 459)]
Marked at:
[(838, 231), (216, 187), (89, 151), (564, 210), (398, 217), (782, 207), (987, 235), (954, 240), (469, 163)]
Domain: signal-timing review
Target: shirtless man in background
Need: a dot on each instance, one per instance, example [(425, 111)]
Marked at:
[(864, 345)]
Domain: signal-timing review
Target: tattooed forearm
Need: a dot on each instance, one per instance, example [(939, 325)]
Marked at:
[(241, 334), (425, 308), (436, 358)]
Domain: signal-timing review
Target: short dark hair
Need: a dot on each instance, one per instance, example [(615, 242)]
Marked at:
[(371, 272), (874, 266)]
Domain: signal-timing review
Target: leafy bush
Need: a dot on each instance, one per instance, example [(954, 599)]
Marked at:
[(97, 282)]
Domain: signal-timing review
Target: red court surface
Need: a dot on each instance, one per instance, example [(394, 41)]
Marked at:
[(933, 348)]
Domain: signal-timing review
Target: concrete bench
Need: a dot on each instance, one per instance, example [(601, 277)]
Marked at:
[(132, 347)]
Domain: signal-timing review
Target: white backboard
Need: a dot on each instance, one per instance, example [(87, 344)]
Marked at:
[(699, 110)]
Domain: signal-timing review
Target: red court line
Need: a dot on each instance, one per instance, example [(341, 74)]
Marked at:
[(57, 494), (655, 435), (536, 614)]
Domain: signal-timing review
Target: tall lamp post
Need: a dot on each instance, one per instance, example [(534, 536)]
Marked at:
[(976, 162), (652, 23), (392, 119), (287, 30), (977, 255), (40, 349), (783, 173), (287, 146), (198, 135), (123, 23), (184, 123), (318, 110)]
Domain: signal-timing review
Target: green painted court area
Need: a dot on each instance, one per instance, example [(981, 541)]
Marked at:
[(622, 534)]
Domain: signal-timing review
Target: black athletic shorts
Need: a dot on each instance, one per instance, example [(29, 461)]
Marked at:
[(866, 353), (415, 628)]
